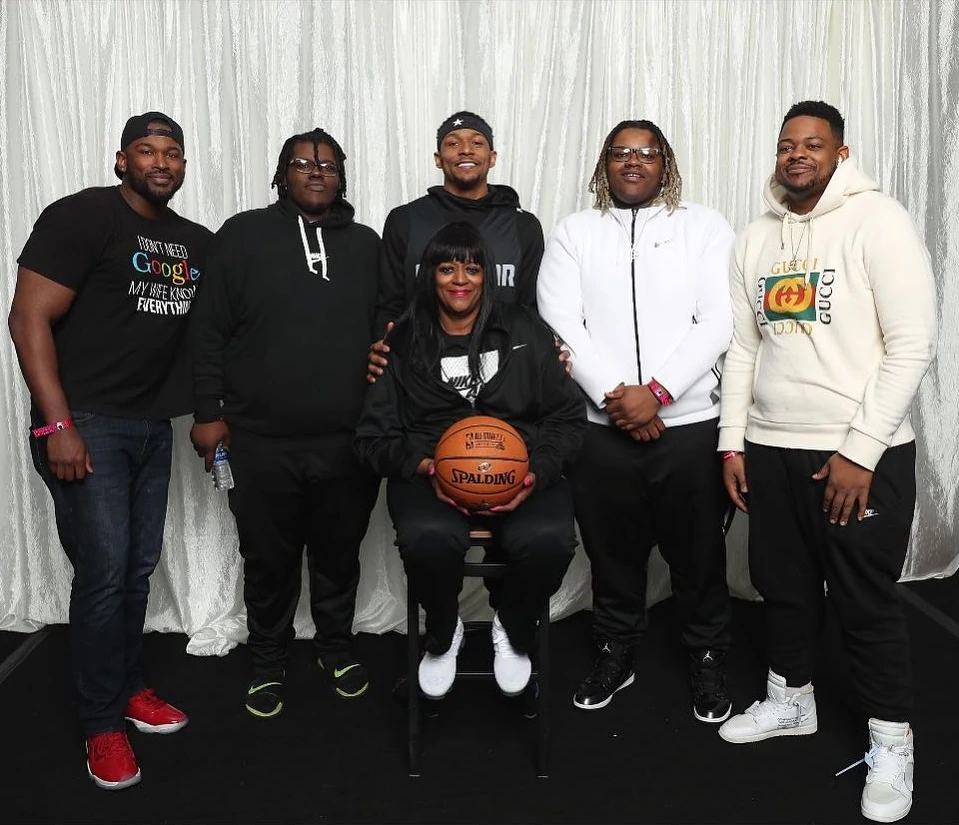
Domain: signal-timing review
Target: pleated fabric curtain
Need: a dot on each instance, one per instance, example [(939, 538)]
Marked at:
[(552, 77)]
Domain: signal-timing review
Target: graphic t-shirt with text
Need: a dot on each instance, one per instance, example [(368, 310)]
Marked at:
[(121, 347)]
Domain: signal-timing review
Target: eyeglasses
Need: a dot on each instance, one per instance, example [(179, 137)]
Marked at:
[(306, 166), (644, 154)]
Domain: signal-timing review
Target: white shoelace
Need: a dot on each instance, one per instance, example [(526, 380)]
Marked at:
[(763, 710), (885, 764)]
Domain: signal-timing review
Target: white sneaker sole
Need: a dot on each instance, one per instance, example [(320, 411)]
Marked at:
[(714, 721), (144, 727), (877, 817), (800, 730), (113, 786), (627, 683)]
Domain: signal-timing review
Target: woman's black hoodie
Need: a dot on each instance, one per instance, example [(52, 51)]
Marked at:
[(408, 408)]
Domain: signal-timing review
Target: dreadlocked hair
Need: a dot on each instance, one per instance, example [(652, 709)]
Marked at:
[(671, 190), (316, 137)]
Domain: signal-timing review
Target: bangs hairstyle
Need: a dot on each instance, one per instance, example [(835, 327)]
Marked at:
[(316, 137), (460, 242), (671, 188)]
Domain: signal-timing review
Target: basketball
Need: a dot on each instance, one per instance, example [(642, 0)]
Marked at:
[(480, 462)]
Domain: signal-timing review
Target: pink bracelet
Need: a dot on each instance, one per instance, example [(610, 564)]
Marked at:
[(46, 429), (661, 393), (730, 454)]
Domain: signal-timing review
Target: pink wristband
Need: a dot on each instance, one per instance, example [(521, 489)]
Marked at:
[(46, 429), (661, 393), (730, 454)]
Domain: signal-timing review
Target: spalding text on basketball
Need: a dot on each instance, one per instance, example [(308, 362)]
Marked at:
[(458, 476)]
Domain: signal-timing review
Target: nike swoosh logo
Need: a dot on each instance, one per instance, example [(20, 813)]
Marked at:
[(519, 346), (338, 672)]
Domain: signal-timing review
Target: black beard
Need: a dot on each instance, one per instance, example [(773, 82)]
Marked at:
[(468, 185), (793, 189), (141, 185)]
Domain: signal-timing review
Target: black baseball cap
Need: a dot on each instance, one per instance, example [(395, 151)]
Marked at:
[(138, 126)]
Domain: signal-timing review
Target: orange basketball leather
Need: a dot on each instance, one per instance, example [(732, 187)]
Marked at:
[(480, 462)]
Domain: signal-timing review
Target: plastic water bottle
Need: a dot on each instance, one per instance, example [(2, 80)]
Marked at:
[(222, 474)]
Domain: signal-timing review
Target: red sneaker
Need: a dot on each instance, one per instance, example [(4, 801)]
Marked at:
[(151, 714), (110, 761)]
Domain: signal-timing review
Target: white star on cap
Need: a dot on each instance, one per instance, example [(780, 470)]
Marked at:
[(458, 122)]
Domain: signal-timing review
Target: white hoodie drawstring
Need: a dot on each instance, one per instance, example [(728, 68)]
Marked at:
[(312, 258)]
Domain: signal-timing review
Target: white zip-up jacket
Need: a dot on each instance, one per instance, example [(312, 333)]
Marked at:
[(640, 294), (835, 323)]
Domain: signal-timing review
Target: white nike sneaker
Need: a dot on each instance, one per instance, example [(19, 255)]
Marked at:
[(437, 671), (887, 795), (511, 668), (785, 711)]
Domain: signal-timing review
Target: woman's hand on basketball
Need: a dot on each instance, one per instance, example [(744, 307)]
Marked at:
[(377, 358), (529, 484), (426, 468)]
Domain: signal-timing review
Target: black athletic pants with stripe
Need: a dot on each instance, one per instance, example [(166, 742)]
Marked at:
[(284, 500), (631, 495), (793, 549)]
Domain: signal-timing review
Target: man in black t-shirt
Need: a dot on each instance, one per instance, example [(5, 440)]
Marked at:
[(105, 282)]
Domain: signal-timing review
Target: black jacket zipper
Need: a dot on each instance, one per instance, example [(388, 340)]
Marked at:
[(632, 278)]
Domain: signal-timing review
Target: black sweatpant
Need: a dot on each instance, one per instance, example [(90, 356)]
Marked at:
[(537, 541), (282, 501), (632, 495), (793, 549)]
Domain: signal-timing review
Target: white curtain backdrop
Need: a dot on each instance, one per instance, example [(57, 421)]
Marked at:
[(552, 77)]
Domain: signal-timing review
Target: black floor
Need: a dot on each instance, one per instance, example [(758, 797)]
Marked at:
[(642, 759)]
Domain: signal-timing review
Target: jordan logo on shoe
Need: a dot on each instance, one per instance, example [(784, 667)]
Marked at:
[(708, 657)]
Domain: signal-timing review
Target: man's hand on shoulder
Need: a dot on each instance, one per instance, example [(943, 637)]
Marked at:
[(563, 355), (377, 357)]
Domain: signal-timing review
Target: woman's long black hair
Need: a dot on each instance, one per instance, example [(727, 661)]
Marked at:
[(461, 242)]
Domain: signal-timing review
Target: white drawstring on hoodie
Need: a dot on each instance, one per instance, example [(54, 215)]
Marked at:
[(312, 258)]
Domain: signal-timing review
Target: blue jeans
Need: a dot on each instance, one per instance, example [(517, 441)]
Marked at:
[(111, 528)]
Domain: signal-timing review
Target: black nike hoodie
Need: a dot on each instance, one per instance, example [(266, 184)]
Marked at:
[(514, 235)]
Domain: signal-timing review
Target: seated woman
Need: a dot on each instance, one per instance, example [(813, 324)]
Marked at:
[(453, 354)]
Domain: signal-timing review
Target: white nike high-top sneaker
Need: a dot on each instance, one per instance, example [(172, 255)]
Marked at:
[(887, 795), (786, 711)]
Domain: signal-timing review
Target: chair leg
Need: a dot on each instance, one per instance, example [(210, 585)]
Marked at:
[(543, 700), (412, 680)]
